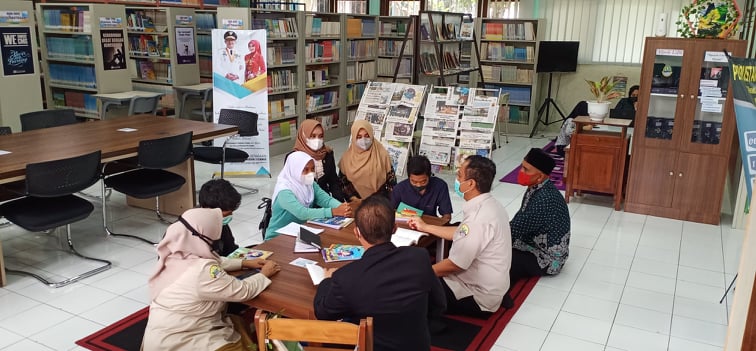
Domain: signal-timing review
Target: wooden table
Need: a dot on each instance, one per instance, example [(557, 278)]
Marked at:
[(77, 139), (597, 158), (292, 292)]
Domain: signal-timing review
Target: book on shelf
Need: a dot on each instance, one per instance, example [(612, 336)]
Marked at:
[(466, 30), (336, 222), (342, 252), (404, 212), (249, 254), (406, 237)]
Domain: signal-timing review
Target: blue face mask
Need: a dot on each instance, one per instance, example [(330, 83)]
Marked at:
[(456, 189), (227, 219)]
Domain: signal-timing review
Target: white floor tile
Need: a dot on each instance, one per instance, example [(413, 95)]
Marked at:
[(598, 289), (535, 316), (81, 299), (632, 339), (583, 328), (664, 269), (677, 344), (35, 320), (705, 311), (546, 296), (699, 331), (651, 282), (700, 292), (520, 337), (113, 310), (641, 318), (591, 307), (607, 274), (558, 342), (121, 283), (27, 345), (64, 335), (648, 299), (701, 276), (13, 304), (563, 281), (610, 259), (663, 254), (8, 338), (140, 294)]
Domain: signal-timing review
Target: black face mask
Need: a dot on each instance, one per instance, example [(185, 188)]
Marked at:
[(633, 99), (215, 245), (419, 188)]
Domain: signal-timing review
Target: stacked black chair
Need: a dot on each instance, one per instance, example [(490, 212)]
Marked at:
[(150, 179), (246, 122), (47, 119), (49, 203), (5, 130)]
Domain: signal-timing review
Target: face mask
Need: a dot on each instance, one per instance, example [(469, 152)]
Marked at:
[(633, 99), (308, 178), (227, 219), (419, 188), (364, 143), (315, 143), (524, 179), (459, 192)]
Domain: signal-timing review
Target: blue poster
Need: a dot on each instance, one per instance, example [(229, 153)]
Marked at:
[(16, 50), (744, 94)]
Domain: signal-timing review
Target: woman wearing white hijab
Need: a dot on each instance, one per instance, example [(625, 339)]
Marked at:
[(190, 288), (296, 192)]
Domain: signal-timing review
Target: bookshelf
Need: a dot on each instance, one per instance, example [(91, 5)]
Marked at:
[(361, 59), (392, 31), (21, 90), (206, 22), (80, 44), (507, 61), (324, 53), (162, 49)]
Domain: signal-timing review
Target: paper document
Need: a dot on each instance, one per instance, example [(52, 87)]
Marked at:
[(317, 273), (3, 152), (292, 229), (302, 262), (301, 247), (127, 130)]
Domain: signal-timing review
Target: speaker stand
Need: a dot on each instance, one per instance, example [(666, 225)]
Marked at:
[(546, 106)]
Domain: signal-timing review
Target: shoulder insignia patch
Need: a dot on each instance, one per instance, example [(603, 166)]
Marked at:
[(215, 271), (464, 229)]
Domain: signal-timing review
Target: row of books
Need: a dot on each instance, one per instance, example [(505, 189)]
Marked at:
[(316, 26), (507, 74), (205, 44), (153, 70), (321, 100), (76, 47), (517, 95), (281, 55), (149, 45), (393, 47), (285, 27), (327, 120), (282, 80), (430, 64), (281, 131), (361, 49), (508, 31), (80, 101), (394, 28), (351, 116), (317, 77), (75, 75), (323, 51), (146, 20), (357, 71), (206, 66), (67, 19), (501, 51), (205, 21), (519, 114), (282, 108), (360, 27), (446, 31), (354, 92), (386, 66)]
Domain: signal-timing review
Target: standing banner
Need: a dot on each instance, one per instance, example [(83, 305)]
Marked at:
[(744, 95), (240, 82)]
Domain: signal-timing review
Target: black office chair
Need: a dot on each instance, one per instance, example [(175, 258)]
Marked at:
[(47, 119), (246, 122), (49, 203), (5, 130), (150, 179)]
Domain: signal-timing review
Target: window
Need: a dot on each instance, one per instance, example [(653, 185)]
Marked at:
[(351, 6), (609, 31), (504, 9), (462, 6), (404, 8)]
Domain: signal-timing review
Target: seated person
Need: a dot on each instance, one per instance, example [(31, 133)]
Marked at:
[(365, 167), (219, 193), (396, 286), (541, 228), (295, 194), (423, 191), (190, 288), (631, 101), (310, 140), (475, 276), (568, 127)]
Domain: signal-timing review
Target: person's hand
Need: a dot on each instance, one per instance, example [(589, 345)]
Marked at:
[(328, 272), (417, 223), (270, 268), (255, 264), (635, 105), (232, 76), (344, 210), (355, 202)]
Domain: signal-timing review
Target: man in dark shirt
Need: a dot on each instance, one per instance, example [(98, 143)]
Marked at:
[(395, 286), (422, 191), (219, 193)]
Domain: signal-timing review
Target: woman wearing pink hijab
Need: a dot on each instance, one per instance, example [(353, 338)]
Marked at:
[(190, 288), (254, 62)]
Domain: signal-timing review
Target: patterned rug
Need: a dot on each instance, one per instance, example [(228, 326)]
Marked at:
[(557, 175)]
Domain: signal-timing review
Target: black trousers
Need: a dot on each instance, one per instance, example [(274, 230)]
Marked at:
[(466, 306), (524, 265)]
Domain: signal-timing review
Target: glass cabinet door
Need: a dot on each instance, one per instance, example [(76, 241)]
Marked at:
[(665, 89), (710, 100)]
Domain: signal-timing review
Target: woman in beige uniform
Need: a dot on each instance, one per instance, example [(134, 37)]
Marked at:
[(190, 288)]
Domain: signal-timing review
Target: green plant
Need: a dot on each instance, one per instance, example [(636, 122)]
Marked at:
[(602, 90)]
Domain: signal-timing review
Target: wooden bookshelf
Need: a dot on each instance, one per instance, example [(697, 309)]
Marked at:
[(206, 22), (392, 31), (324, 71), (361, 59), (80, 45)]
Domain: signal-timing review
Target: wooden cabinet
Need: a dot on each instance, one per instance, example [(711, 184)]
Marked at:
[(684, 129), (597, 158)]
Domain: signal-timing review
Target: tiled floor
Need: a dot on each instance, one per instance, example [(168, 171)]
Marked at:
[(632, 282)]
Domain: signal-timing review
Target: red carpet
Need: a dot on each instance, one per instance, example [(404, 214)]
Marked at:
[(463, 333), (557, 175)]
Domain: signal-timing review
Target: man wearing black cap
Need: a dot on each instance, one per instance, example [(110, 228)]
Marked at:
[(541, 228), (230, 64)]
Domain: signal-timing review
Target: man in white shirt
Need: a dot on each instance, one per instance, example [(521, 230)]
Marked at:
[(230, 62), (475, 276)]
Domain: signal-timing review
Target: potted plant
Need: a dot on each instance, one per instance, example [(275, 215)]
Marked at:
[(602, 90)]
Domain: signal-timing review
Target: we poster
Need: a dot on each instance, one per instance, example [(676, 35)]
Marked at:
[(240, 83), (16, 50)]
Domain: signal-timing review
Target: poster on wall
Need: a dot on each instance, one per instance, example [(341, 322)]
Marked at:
[(16, 51), (744, 88), (240, 86), (185, 53), (112, 49)]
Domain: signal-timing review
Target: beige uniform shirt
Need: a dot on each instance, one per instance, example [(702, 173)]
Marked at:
[(189, 314), (482, 247)]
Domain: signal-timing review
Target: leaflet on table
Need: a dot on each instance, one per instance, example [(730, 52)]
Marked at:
[(292, 229), (317, 273), (341, 252), (406, 237), (335, 222), (404, 212), (302, 262), (436, 154), (249, 254)]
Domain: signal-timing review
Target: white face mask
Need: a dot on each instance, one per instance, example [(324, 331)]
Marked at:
[(364, 143), (315, 143), (308, 178)]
